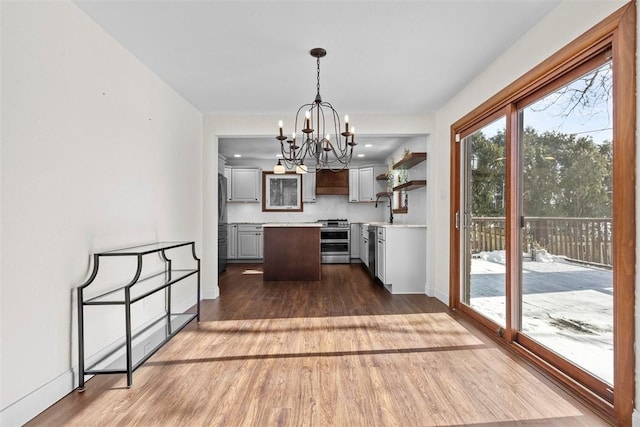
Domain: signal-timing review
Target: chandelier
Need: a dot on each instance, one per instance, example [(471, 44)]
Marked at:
[(321, 143)]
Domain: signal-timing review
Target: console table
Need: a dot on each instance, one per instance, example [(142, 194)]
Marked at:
[(159, 331)]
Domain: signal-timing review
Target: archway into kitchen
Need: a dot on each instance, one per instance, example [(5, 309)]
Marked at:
[(345, 206)]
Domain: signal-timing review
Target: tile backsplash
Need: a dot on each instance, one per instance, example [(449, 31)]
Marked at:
[(325, 207)]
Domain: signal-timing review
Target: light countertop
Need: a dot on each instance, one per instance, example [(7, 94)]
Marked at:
[(292, 224), (387, 225)]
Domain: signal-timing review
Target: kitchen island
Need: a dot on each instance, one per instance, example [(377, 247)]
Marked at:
[(291, 251)]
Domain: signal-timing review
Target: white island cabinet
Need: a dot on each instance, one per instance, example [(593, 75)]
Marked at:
[(401, 257)]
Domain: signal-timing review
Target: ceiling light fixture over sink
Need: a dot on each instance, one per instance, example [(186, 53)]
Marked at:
[(322, 146)]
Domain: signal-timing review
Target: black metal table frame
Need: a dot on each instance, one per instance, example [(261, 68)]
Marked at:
[(139, 252)]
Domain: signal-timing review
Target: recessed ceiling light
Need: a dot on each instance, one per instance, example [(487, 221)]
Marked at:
[(368, 145), (237, 155), (360, 155)]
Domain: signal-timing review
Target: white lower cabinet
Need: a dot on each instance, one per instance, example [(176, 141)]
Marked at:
[(232, 241), (364, 250), (401, 258), (380, 260), (249, 241), (354, 244)]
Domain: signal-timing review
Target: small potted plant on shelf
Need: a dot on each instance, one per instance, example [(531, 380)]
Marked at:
[(390, 176)]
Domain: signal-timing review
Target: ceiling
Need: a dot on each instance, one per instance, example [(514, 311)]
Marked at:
[(252, 57)]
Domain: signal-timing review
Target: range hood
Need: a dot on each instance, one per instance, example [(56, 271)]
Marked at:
[(332, 183)]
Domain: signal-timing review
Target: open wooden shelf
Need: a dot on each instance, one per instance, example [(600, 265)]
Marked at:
[(382, 177), (410, 161), (401, 210), (411, 185)]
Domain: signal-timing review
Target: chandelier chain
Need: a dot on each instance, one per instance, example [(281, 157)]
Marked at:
[(318, 85)]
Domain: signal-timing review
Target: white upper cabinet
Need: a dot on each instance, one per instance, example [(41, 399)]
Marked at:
[(227, 174), (353, 185), (309, 187), (366, 184), (363, 185), (245, 185)]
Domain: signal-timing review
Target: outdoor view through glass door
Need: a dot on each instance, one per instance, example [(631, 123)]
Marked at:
[(484, 284), (564, 280), (567, 280)]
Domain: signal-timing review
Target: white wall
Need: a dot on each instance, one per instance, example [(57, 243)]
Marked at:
[(227, 126), (97, 153)]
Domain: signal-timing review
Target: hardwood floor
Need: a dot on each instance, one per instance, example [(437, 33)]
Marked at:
[(340, 352)]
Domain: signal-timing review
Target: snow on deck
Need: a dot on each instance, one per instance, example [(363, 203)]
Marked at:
[(566, 307)]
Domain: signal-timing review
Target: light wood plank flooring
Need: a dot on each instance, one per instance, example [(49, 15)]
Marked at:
[(341, 352)]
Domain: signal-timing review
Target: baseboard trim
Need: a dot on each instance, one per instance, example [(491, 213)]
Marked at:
[(210, 293), (26, 408), (35, 402), (429, 291), (442, 296)]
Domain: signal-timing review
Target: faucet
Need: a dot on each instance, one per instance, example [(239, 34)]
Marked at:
[(388, 195)]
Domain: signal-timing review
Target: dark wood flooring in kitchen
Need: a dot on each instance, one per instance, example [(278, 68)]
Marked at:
[(345, 290), (340, 352)]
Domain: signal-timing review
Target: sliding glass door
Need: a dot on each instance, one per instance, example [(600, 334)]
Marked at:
[(483, 222), (543, 215), (567, 224), (543, 220)]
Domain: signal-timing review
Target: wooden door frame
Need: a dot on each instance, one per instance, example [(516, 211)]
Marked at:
[(619, 31)]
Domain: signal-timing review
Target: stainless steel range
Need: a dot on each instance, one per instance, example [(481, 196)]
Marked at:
[(334, 241)]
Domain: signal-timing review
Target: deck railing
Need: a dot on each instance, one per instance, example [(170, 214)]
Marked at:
[(582, 239)]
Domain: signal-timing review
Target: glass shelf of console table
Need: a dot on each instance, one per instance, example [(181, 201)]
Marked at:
[(140, 289), (144, 343), (145, 249)]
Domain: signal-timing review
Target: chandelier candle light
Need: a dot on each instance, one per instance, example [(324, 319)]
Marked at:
[(314, 148)]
